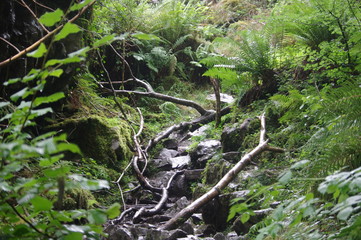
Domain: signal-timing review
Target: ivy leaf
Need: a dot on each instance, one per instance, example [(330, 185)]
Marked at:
[(345, 213), (113, 211), (38, 53), (41, 204), (49, 19), (68, 28), (105, 40)]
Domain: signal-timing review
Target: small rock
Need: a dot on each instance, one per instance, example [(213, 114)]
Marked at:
[(178, 233), (166, 153), (171, 144), (180, 162), (219, 236), (204, 151)]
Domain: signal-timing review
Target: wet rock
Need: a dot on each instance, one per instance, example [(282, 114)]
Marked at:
[(179, 186), (232, 136), (166, 153), (203, 152), (215, 170), (180, 162), (178, 233), (182, 203), (223, 97), (231, 156), (118, 233), (171, 144), (219, 236), (216, 212), (188, 228), (205, 230)]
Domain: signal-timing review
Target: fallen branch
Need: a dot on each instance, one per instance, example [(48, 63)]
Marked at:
[(168, 98), (184, 214), (143, 212)]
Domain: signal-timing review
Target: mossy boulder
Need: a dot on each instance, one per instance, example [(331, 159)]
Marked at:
[(106, 140)]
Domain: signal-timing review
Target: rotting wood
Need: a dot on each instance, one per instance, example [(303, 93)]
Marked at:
[(184, 214)]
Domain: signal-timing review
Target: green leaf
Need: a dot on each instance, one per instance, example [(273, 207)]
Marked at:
[(81, 52), (105, 40), (68, 28), (285, 177), (80, 5), (57, 172), (41, 204), (113, 211), (74, 236), (38, 53), (62, 147), (145, 36), (96, 216), (245, 217), (56, 73), (52, 98), (49, 19), (345, 213), (300, 164), (19, 94), (4, 104)]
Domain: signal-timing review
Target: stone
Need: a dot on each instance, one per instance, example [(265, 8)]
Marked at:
[(231, 156), (215, 170), (180, 162), (216, 212), (232, 136), (219, 236), (166, 153), (118, 233), (203, 152), (182, 203), (176, 234), (171, 144)]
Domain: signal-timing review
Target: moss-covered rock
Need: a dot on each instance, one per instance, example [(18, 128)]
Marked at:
[(78, 198), (106, 140)]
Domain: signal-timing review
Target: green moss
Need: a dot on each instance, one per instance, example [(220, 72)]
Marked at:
[(106, 140), (78, 198)]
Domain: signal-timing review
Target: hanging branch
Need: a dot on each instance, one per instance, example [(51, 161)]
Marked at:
[(48, 35), (184, 214)]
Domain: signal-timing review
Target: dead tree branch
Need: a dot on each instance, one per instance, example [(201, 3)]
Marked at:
[(183, 215), (48, 35)]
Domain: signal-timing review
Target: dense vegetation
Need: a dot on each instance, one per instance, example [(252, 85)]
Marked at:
[(297, 61)]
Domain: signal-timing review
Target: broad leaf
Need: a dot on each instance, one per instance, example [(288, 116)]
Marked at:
[(41, 204), (49, 19), (68, 28), (105, 40), (38, 53)]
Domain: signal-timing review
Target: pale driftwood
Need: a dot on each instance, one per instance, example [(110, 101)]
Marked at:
[(184, 214), (144, 212), (168, 98)]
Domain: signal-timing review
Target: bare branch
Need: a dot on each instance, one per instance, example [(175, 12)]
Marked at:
[(184, 214), (48, 35)]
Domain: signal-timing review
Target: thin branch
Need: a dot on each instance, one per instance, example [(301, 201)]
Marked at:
[(48, 35), (44, 6), (27, 221), (12, 45), (34, 15)]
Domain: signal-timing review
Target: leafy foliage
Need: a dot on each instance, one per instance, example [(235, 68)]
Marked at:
[(33, 180)]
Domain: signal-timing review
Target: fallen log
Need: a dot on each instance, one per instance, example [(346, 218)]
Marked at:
[(184, 214)]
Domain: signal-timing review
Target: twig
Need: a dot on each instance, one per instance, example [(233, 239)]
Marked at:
[(12, 45), (48, 35), (34, 15), (27, 221)]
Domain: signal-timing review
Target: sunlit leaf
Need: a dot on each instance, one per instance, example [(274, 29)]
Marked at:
[(113, 211), (285, 177), (345, 213), (80, 5), (41, 204), (39, 52), (74, 236), (245, 217), (48, 99), (105, 40), (145, 36), (49, 19), (96, 216), (68, 28), (56, 73), (300, 164)]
